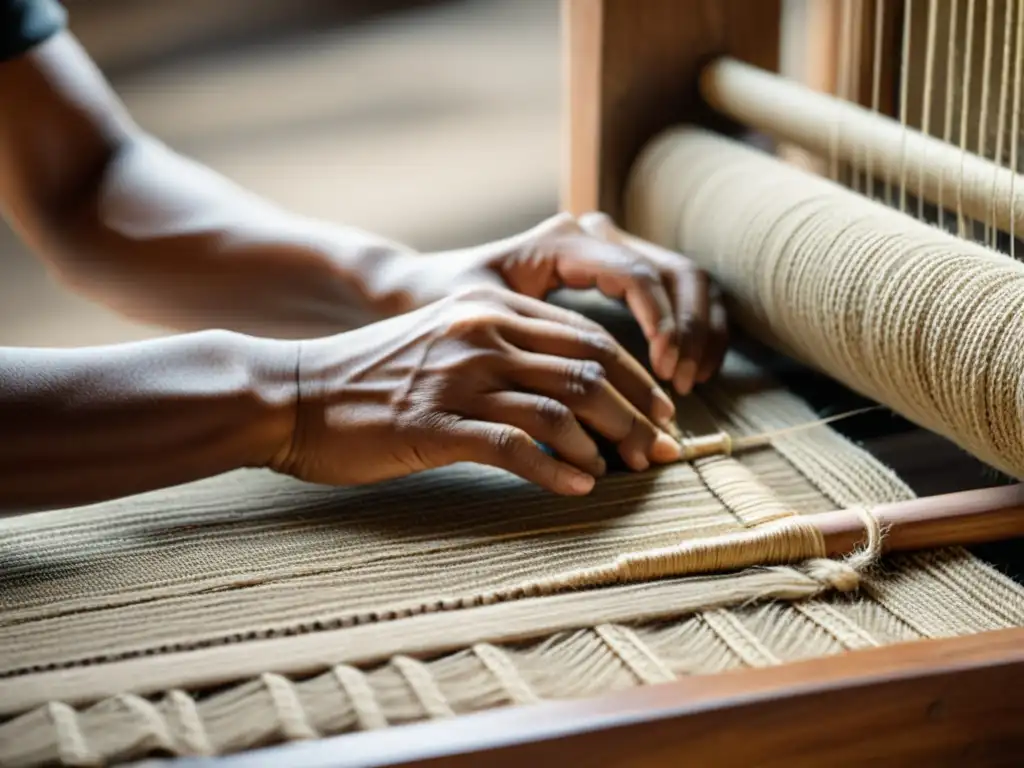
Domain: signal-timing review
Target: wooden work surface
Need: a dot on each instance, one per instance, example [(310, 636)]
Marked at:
[(940, 702)]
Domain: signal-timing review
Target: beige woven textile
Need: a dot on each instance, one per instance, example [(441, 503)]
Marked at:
[(902, 312), (250, 609)]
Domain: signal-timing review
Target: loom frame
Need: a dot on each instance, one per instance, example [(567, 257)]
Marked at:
[(630, 71), (928, 702)]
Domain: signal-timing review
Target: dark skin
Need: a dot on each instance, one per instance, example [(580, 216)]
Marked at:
[(300, 339)]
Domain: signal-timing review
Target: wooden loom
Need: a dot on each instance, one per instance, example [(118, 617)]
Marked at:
[(634, 69), (637, 69)]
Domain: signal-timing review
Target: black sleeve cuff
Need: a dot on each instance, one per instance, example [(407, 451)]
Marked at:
[(24, 24)]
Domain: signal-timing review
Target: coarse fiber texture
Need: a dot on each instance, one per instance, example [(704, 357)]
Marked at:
[(250, 609), (906, 314)]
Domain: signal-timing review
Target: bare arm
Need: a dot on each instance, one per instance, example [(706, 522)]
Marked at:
[(479, 377), (84, 425), (162, 239), (127, 221)]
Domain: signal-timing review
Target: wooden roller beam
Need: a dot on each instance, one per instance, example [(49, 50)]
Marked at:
[(959, 519), (954, 519), (830, 127)]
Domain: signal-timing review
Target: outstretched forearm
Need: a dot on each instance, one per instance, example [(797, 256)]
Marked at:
[(167, 241), (160, 238), (86, 425)]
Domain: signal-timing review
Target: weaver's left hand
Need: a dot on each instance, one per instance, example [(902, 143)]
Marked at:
[(675, 304)]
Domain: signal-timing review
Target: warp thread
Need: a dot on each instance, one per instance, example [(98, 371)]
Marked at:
[(901, 312), (178, 723)]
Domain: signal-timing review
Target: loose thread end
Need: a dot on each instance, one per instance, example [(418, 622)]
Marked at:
[(720, 444), (723, 444)]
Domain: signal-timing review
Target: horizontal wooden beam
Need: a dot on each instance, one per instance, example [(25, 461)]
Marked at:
[(935, 702)]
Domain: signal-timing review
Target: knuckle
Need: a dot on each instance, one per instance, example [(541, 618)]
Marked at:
[(467, 374), (563, 221), (685, 322), (684, 274), (640, 433), (554, 414), (688, 267), (585, 378), (596, 222), (691, 325), (478, 327), (545, 236), (601, 344), (642, 273), (510, 442), (671, 274)]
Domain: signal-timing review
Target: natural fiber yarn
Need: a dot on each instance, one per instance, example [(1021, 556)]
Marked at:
[(788, 540), (843, 131), (249, 610), (904, 313)]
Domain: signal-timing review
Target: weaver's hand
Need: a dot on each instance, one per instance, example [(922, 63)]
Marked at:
[(477, 377), (675, 304)]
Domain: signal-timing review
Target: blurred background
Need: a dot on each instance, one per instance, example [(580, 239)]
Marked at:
[(435, 122)]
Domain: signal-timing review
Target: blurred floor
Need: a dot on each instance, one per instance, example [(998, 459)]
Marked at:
[(438, 126)]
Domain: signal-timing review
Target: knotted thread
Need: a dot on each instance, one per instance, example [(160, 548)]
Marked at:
[(786, 541)]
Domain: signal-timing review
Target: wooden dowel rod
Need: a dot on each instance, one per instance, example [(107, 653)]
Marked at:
[(955, 519), (827, 126)]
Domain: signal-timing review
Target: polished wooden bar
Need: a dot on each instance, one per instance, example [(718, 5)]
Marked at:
[(955, 519), (941, 702)]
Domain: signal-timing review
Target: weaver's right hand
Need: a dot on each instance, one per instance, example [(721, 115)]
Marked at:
[(478, 377)]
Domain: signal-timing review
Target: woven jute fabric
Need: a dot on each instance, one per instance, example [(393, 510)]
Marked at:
[(900, 311), (250, 609)]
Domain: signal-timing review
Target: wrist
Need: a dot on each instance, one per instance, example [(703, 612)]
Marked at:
[(371, 277), (399, 281), (415, 280), (272, 368)]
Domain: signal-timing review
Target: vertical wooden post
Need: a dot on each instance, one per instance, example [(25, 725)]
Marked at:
[(631, 70)]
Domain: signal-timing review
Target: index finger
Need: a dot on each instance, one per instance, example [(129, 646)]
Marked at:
[(692, 305), (513, 450), (624, 372)]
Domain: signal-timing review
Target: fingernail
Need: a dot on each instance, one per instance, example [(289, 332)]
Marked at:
[(684, 377), (581, 483), (665, 449), (663, 407)]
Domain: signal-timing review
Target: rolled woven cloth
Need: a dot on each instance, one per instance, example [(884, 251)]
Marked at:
[(915, 318)]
